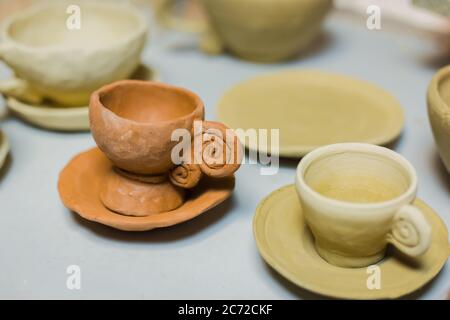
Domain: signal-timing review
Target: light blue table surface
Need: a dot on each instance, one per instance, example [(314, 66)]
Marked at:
[(213, 256)]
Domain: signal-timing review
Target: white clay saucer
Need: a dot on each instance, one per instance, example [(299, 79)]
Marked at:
[(287, 245), (52, 117), (4, 148)]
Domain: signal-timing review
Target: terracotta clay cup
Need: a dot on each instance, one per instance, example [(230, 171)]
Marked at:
[(439, 112), (133, 123), (256, 30)]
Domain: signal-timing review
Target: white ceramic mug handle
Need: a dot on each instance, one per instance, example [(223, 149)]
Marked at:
[(411, 232), (18, 88), (3, 50)]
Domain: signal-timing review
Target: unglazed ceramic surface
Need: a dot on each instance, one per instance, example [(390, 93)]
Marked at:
[(439, 112), (287, 245), (269, 30), (357, 198), (67, 65), (4, 148), (80, 184), (133, 122), (312, 109), (53, 117), (263, 31)]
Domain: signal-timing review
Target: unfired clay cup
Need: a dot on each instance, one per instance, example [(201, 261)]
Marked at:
[(65, 64), (439, 112), (262, 31), (132, 122), (357, 199)]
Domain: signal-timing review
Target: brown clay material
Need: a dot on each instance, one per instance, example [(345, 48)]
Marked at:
[(186, 176), (220, 153), (133, 122), (81, 181), (136, 198)]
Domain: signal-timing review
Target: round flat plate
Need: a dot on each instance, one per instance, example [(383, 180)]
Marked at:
[(4, 148), (79, 187), (52, 117), (287, 245), (312, 109)]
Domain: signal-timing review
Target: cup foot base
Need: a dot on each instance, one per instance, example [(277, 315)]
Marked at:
[(348, 261), (136, 198)]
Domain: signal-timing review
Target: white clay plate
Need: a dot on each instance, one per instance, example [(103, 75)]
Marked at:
[(312, 109), (52, 117)]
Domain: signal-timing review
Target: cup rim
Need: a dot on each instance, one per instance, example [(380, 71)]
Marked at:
[(199, 107), (38, 7), (434, 94), (367, 148)]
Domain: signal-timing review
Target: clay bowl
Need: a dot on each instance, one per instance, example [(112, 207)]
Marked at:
[(132, 123), (67, 65), (439, 112)]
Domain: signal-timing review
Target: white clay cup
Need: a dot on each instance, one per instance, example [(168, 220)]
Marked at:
[(357, 199)]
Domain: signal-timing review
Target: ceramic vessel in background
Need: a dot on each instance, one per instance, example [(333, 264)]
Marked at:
[(439, 112), (264, 31), (132, 122), (68, 64), (357, 199)]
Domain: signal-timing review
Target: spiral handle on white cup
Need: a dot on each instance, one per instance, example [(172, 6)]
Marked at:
[(411, 232)]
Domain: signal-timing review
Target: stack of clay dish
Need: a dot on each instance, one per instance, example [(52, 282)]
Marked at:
[(329, 232), (311, 109), (439, 112), (85, 46), (131, 181), (262, 31), (4, 148)]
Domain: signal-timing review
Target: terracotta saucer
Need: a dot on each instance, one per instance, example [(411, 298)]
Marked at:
[(52, 117), (312, 109), (4, 148), (287, 245), (79, 188)]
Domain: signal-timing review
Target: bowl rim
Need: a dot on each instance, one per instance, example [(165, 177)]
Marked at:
[(199, 106), (435, 99), (29, 12)]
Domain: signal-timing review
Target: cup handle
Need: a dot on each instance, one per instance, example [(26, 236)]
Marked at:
[(215, 152), (210, 42), (20, 89), (411, 232)]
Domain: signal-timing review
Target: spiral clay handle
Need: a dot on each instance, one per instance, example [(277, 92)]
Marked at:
[(411, 232), (215, 152)]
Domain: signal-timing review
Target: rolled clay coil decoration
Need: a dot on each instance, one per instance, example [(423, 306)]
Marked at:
[(410, 232), (186, 175), (217, 150), (406, 233)]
